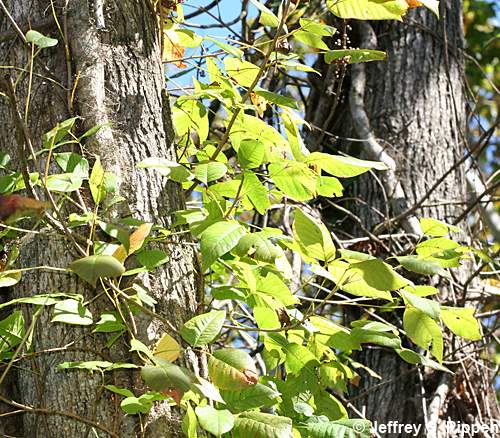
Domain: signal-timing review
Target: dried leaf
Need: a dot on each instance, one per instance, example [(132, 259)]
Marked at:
[(136, 239), (259, 102), (172, 49), (13, 205)]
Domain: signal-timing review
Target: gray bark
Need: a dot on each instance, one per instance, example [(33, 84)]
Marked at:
[(120, 82), (416, 107)]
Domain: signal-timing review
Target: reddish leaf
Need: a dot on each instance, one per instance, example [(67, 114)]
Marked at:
[(11, 205)]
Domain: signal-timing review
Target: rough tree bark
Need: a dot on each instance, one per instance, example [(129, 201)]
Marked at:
[(416, 107), (111, 61)]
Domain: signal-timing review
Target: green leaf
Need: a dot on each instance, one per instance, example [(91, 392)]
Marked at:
[(203, 329), (73, 163), (243, 72), (122, 391), (218, 239), (72, 312), (310, 39), (10, 278), (436, 228), (11, 332), (353, 281), (250, 153), (267, 17), (422, 266), (258, 246), (341, 428), (152, 258), (96, 182), (167, 375), (313, 237), (232, 369), (296, 180), (256, 396), (226, 47), (256, 192), (136, 405), (423, 330), (38, 300), (40, 40), (343, 166), (93, 267), (368, 9), (355, 55), (91, 365), (189, 114), (261, 425), (190, 423), (208, 172), (110, 322), (64, 182), (278, 99), (214, 421), (461, 322), (429, 307), (174, 171)]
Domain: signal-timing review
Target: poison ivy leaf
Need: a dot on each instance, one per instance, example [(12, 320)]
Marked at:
[(342, 166), (256, 192), (38, 300), (135, 242), (208, 172), (226, 47), (209, 390), (267, 17), (251, 153), (341, 428), (93, 267), (72, 312), (190, 115), (166, 375), (243, 72), (436, 228), (40, 40), (190, 423), (368, 9), (429, 307), (261, 425), (110, 322), (174, 171), (278, 99), (215, 421), (9, 278), (203, 329), (422, 291), (73, 163), (355, 55), (11, 332), (421, 265), (152, 258), (258, 246), (423, 330), (256, 396), (167, 348), (461, 322), (310, 39), (296, 180), (136, 405), (122, 391), (218, 239), (313, 237), (232, 369)]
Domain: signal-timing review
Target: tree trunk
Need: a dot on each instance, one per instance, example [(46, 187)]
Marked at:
[(107, 70), (415, 104)]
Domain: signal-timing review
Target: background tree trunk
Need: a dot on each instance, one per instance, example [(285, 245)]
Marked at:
[(117, 73), (416, 107)]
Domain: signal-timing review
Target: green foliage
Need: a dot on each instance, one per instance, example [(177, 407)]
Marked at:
[(253, 292)]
